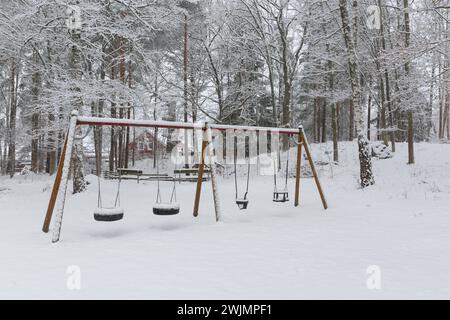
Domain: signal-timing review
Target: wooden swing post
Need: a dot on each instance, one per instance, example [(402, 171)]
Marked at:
[(304, 140), (64, 178), (56, 184), (207, 146), (212, 166), (298, 167), (201, 170)]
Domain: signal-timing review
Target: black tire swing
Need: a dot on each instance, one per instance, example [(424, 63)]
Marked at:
[(165, 208), (108, 214), (242, 203), (281, 195)]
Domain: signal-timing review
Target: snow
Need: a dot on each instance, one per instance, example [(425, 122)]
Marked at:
[(270, 251), (173, 124), (108, 211), (166, 206)]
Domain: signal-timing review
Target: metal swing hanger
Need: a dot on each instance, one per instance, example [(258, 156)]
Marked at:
[(283, 195), (241, 202), (108, 214), (160, 208)]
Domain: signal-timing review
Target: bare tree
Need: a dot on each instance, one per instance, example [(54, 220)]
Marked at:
[(365, 160)]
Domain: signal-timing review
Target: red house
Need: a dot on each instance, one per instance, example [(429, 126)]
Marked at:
[(143, 146)]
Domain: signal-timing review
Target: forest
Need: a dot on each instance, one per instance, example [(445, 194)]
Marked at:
[(225, 150), (345, 70)]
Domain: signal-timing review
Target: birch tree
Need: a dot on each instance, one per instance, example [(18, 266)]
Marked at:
[(365, 161)]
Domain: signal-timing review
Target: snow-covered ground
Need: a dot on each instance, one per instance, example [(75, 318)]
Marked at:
[(270, 251)]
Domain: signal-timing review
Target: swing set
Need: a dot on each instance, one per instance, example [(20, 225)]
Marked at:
[(115, 212)]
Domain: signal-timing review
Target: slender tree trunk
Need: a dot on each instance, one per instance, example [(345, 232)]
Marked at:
[(324, 121), (112, 150), (121, 106), (286, 97), (53, 134), (335, 133), (98, 130), (365, 160), (387, 100), (52, 146), (441, 103), (185, 92), (155, 135), (35, 120), (369, 113), (127, 138), (338, 121), (315, 121), (448, 122), (12, 120), (79, 183), (445, 117), (409, 112), (351, 120), (382, 112), (430, 102), (319, 117)]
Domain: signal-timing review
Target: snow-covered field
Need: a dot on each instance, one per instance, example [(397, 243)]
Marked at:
[(270, 251)]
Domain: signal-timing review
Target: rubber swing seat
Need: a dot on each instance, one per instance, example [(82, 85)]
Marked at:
[(166, 209), (280, 196), (242, 203), (108, 214)]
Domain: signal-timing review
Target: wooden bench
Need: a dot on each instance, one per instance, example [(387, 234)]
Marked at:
[(190, 171), (125, 174), (190, 179)]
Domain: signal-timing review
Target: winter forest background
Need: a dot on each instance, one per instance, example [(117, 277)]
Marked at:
[(374, 70)]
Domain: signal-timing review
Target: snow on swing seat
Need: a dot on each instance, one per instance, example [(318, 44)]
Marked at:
[(281, 196), (108, 214), (242, 203), (166, 209)]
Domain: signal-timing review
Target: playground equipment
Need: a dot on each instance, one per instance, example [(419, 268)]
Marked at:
[(108, 214), (241, 202), (281, 195), (59, 190), (165, 208)]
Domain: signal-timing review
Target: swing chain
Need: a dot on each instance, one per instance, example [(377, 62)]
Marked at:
[(235, 172)]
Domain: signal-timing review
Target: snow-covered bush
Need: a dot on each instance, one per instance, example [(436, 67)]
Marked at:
[(380, 150), (25, 171)]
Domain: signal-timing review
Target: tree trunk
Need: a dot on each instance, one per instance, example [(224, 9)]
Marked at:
[(121, 106), (185, 91), (53, 134), (335, 133), (315, 121), (351, 120), (112, 150), (79, 183), (365, 160), (155, 134), (386, 98), (324, 121), (409, 112), (382, 112), (369, 112), (35, 121), (12, 120), (286, 97), (52, 146), (127, 137), (338, 121), (98, 130)]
